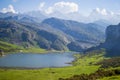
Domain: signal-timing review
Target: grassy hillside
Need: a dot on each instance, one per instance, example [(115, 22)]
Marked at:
[(7, 47), (109, 68)]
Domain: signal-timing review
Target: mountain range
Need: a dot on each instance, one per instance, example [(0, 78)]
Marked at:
[(50, 33)]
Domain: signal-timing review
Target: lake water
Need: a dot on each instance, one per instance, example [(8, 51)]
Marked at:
[(29, 60)]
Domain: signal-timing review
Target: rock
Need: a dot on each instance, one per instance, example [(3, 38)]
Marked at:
[(113, 34), (112, 42), (1, 53)]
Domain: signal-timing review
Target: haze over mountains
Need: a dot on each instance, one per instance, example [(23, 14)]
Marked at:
[(52, 29), (50, 33), (96, 15), (67, 11)]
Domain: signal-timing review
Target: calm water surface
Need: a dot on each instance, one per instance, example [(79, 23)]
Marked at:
[(36, 60)]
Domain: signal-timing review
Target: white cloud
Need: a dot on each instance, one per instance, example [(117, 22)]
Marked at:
[(103, 12), (10, 8), (70, 11), (100, 11), (49, 10), (41, 6), (62, 7)]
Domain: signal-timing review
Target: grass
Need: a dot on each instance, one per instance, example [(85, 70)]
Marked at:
[(117, 77), (7, 47), (89, 60), (12, 48), (81, 65), (111, 78), (44, 74), (34, 50), (38, 50)]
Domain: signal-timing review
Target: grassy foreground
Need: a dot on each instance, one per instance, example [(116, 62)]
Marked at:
[(44, 74), (82, 65)]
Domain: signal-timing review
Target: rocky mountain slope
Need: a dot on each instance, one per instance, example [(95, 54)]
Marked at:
[(51, 33), (112, 43), (83, 35), (26, 35)]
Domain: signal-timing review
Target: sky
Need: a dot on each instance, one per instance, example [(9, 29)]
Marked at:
[(85, 6), (65, 7)]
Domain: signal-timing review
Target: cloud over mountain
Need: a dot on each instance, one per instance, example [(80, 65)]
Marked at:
[(41, 6), (102, 12), (10, 8), (97, 14), (62, 7)]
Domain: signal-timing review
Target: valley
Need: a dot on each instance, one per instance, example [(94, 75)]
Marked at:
[(26, 37), (62, 40)]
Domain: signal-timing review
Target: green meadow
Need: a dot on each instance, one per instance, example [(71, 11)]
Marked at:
[(83, 64)]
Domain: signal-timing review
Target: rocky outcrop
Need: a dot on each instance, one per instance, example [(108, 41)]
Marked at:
[(1, 52), (112, 43), (113, 34)]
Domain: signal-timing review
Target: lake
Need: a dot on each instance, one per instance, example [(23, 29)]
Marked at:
[(30, 60)]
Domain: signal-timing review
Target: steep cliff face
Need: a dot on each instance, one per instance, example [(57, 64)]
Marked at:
[(112, 43), (113, 34)]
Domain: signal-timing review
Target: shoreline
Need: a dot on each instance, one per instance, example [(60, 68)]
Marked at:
[(35, 52), (28, 68)]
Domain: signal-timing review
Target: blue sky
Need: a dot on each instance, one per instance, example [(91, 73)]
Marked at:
[(85, 6), (79, 10)]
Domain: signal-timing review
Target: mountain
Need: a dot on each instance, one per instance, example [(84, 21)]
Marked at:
[(37, 14), (83, 35), (103, 23), (19, 17), (51, 33), (79, 31), (3, 15), (28, 35), (112, 41)]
